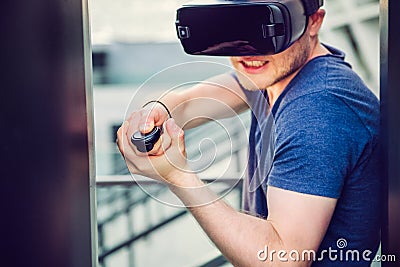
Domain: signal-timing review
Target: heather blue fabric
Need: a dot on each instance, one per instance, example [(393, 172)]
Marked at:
[(320, 138)]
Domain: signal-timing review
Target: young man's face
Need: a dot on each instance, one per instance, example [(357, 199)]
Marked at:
[(260, 72)]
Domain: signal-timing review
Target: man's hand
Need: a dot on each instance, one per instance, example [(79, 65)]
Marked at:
[(153, 114), (146, 119), (167, 159)]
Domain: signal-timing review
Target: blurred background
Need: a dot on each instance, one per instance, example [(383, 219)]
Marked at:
[(133, 41)]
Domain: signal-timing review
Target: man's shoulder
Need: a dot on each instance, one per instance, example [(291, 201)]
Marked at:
[(326, 87), (326, 73)]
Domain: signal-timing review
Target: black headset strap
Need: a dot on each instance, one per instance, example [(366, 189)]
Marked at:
[(311, 6)]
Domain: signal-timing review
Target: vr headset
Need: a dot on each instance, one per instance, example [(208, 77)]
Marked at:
[(242, 28)]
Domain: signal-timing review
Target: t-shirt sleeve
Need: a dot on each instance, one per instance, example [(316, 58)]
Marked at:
[(318, 141)]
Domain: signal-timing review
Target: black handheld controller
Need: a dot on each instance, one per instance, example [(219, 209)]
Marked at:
[(145, 142)]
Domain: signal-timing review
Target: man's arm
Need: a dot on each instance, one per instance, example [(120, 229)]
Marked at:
[(216, 98), (296, 221)]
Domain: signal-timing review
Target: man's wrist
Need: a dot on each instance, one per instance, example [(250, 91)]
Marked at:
[(192, 191), (157, 102), (182, 179)]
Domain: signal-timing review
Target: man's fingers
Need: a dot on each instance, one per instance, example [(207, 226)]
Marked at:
[(119, 141), (133, 126), (166, 141), (136, 121), (176, 134), (132, 168), (157, 148), (126, 151), (151, 116), (147, 121)]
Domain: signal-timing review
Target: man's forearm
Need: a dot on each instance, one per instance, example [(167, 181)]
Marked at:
[(183, 109), (217, 98), (238, 236)]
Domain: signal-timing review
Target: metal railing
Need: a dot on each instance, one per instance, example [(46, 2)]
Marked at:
[(121, 194)]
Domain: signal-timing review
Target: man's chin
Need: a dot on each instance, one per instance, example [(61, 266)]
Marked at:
[(248, 84)]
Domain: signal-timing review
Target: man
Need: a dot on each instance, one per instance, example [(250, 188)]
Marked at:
[(313, 177)]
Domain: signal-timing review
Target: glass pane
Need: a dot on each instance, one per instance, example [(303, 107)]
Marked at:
[(135, 40)]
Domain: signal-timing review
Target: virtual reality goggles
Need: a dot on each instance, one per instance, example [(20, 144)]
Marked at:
[(242, 28)]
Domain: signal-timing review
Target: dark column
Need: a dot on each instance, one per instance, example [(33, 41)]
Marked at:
[(45, 199), (390, 99)]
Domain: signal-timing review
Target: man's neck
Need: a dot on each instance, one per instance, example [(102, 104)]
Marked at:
[(275, 90)]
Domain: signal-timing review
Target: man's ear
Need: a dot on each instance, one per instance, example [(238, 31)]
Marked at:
[(315, 22)]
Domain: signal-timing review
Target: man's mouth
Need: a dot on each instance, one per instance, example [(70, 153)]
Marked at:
[(254, 66), (254, 63)]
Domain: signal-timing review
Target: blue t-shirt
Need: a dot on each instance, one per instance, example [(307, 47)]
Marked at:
[(321, 138)]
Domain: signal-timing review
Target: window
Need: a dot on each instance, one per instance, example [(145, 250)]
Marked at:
[(132, 41)]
